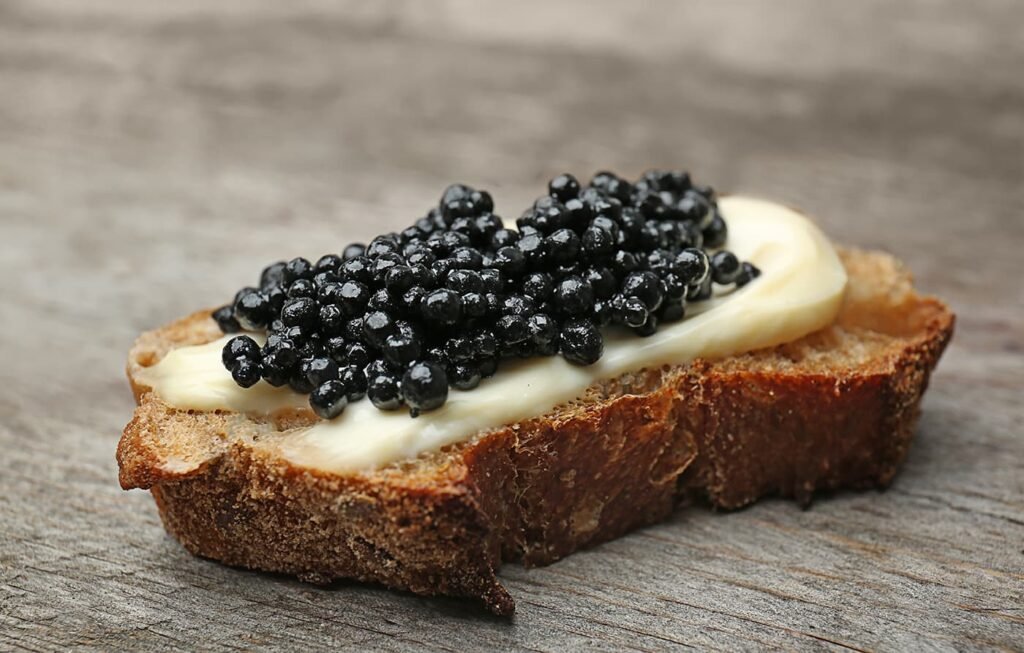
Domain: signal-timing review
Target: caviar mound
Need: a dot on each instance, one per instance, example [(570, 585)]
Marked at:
[(835, 409), (457, 292)]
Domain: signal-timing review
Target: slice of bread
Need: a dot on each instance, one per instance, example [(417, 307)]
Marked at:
[(835, 409)]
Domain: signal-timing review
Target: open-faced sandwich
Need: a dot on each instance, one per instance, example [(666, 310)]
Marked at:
[(418, 410)]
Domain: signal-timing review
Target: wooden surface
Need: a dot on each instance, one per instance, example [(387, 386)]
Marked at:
[(154, 155)]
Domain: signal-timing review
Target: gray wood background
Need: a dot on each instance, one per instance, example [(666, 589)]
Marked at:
[(154, 155)]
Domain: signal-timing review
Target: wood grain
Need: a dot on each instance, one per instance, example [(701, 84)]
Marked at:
[(154, 155)]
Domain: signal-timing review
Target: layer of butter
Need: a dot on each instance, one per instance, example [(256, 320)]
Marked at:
[(800, 291)]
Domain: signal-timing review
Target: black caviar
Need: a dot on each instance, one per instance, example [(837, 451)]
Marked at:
[(441, 304)]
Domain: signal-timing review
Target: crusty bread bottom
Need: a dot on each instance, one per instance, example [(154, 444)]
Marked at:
[(833, 410)]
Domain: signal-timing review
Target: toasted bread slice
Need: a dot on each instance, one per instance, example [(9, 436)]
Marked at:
[(835, 409)]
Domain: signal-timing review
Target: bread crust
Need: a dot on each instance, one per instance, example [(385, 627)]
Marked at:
[(834, 410)]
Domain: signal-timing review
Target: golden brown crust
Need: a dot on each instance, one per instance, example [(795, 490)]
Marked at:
[(833, 410)]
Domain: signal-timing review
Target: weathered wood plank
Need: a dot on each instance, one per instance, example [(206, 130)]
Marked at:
[(152, 156)]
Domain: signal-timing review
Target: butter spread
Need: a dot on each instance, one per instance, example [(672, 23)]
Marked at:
[(800, 291)]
